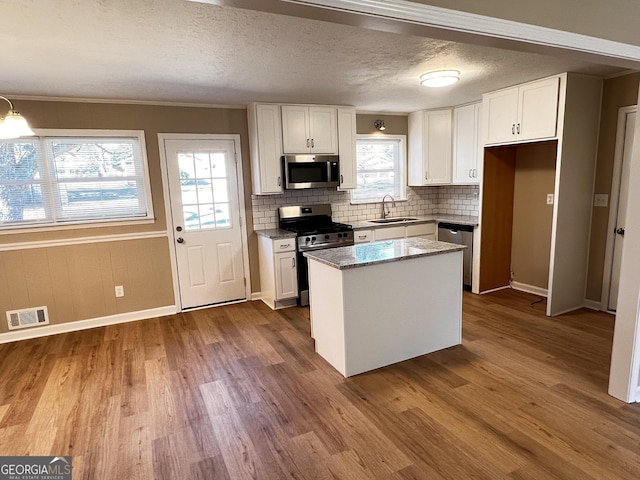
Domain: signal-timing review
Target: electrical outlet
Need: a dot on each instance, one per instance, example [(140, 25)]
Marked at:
[(601, 200), (549, 198), (119, 291)]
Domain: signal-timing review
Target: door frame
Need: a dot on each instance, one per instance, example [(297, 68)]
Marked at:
[(162, 137), (621, 129)]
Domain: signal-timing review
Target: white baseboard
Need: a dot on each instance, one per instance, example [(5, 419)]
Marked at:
[(592, 304), (256, 295), (495, 289), (523, 287), (86, 324), (637, 399)]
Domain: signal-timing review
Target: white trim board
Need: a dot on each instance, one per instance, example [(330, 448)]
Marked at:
[(479, 25), (47, 330), (523, 287), (77, 241), (593, 305)]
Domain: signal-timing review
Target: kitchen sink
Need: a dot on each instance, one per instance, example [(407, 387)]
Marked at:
[(393, 220)]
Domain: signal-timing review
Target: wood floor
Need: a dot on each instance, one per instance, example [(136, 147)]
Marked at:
[(237, 392)]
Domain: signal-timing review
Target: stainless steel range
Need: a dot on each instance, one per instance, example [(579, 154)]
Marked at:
[(315, 230)]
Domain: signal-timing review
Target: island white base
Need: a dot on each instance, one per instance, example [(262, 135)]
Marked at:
[(368, 317)]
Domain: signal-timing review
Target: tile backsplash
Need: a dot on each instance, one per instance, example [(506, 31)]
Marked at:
[(451, 200)]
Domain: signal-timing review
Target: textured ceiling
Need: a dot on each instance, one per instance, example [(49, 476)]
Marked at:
[(179, 51)]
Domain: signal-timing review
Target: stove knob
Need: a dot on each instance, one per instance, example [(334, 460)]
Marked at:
[(339, 235), (307, 240), (313, 239), (326, 237)]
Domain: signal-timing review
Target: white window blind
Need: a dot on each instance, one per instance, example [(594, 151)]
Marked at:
[(60, 179)]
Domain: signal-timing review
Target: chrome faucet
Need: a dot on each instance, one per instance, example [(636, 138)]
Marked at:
[(386, 212)]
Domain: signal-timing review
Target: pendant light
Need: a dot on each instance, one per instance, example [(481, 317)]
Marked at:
[(13, 125)]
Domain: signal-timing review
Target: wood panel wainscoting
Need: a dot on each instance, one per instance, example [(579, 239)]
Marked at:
[(237, 392)]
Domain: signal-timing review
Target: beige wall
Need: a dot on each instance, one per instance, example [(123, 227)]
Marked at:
[(394, 124), (532, 217), (612, 19), (618, 92), (77, 281)]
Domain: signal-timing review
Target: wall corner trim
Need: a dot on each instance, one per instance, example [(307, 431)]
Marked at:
[(86, 324)]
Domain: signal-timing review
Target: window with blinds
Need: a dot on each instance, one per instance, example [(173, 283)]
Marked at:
[(73, 178)]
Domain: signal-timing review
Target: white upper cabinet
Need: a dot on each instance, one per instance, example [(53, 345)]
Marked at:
[(467, 147), (430, 145), (309, 129), (347, 146), (523, 113), (265, 139)]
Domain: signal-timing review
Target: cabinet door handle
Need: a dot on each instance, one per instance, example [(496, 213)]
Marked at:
[(471, 173), (307, 143), (313, 143), (285, 245), (341, 178), (362, 237), (279, 181), (518, 129), (426, 176), (293, 262), (475, 173), (513, 129)]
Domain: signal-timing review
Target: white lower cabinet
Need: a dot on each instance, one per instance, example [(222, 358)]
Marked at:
[(278, 271), (425, 230), (286, 276), (363, 236), (387, 233)]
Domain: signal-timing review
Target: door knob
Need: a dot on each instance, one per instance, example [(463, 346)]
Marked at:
[(620, 231), (180, 240)]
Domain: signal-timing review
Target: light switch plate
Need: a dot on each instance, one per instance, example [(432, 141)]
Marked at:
[(549, 198), (600, 200)]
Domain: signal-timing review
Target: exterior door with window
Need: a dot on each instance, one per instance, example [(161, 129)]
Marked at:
[(205, 209)]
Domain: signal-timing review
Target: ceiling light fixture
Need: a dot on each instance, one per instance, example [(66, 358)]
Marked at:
[(13, 125), (379, 124), (439, 78)]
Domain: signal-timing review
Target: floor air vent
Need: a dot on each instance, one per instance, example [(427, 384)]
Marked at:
[(28, 317)]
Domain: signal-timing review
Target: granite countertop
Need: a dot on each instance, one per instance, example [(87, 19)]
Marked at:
[(438, 218), (385, 251), (276, 233)]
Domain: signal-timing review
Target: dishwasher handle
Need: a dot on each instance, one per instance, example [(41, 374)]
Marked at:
[(455, 227)]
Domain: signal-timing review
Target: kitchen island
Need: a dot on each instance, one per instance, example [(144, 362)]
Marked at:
[(379, 303)]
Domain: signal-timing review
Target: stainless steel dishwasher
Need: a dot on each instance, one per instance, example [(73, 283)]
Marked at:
[(460, 235)]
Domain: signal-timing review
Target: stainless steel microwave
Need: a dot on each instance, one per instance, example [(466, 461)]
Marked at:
[(311, 171)]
